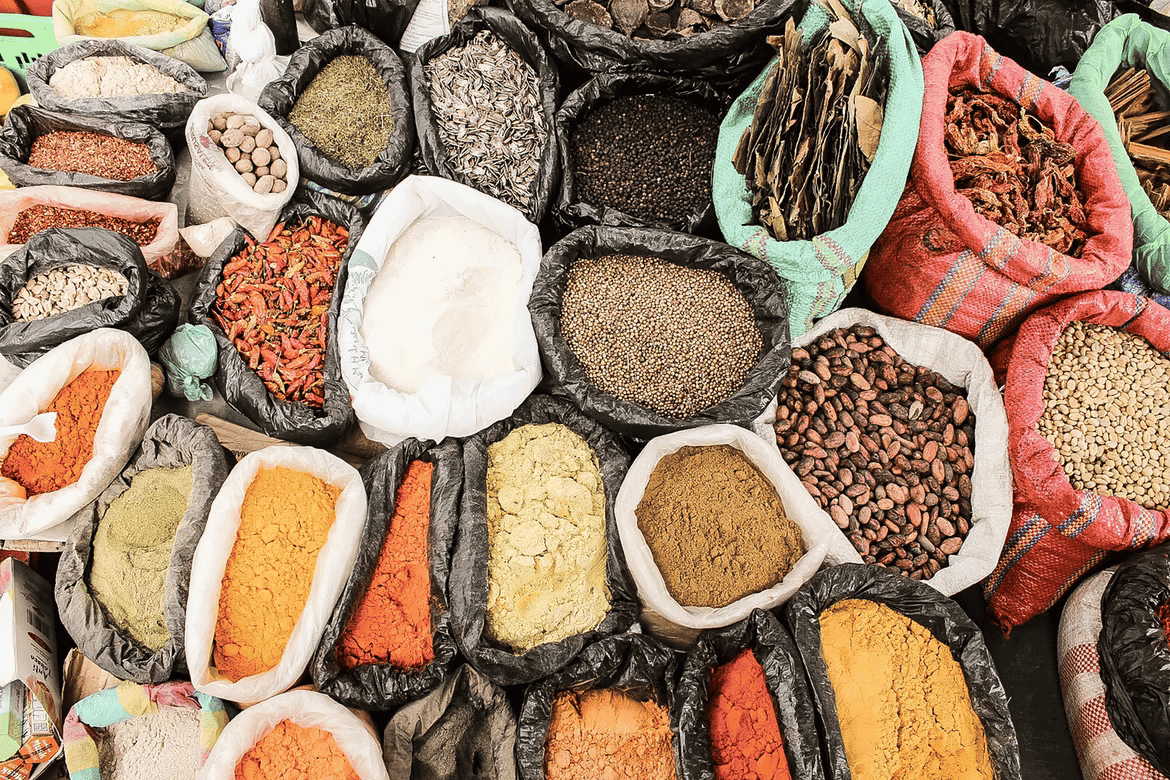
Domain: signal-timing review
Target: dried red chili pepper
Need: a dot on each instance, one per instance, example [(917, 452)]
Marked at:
[(1015, 172), (273, 304)]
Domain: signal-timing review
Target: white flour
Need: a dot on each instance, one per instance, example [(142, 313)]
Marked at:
[(443, 304), (164, 746), (111, 77)]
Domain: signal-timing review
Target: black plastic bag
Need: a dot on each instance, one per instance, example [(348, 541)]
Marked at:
[(387, 19), (163, 110), (754, 278), (170, 442), (279, 97), (241, 387), (1135, 657), (633, 663), (382, 687), (25, 123), (925, 36), (524, 43), (926, 606), (464, 730), (149, 310), (728, 55), (1038, 34), (784, 673), (599, 90), (469, 566)]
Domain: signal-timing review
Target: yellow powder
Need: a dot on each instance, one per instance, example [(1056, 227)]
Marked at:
[(902, 702), (123, 23)]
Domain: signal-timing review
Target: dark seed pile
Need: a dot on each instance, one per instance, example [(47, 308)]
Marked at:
[(649, 156), (676, 340)]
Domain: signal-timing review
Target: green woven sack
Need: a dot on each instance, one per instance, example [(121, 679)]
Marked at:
[(818, 273), (1128, 42)]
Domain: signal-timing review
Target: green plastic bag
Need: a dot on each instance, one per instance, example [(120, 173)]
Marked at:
[(1128, 42), (189, 356), (820, 272)]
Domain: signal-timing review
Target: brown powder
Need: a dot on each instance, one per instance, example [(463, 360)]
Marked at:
[(902, 701), (607, 734), (716, 527)]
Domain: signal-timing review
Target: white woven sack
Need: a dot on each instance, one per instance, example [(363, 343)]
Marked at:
[(305, 708), (123, 423), (217, 189), (665, 617), (329, 574), (190, 43), (442, 406), (1103, 755), (962, 364)]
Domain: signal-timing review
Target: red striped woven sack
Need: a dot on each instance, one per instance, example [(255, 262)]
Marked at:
[(1059, 533), (940, 263)]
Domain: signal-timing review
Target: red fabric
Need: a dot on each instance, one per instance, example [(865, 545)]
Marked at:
[(942, 264), (1059, 533)]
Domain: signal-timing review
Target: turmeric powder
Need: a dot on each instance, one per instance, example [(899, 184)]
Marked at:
[(42, 467), (902, 701), (284, 523), (392, 622), (294, 752)]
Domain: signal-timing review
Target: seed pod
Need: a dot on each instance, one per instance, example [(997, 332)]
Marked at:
[(629, 14), (590, 12)]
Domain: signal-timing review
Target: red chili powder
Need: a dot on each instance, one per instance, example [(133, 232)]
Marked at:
[(392, 623), (745, 736), (293, 752)]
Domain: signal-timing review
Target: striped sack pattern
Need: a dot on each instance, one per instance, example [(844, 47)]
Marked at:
[(1059, 533), (940, 263), (1102, 754)]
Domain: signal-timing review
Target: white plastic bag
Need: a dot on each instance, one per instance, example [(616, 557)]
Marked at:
[(124, 421), (442, 406), (205, 239), (12, 202), (962, 364), (255, 45), (304, 708), (216, 188), (190, 43), (664, 617), (329, 574)]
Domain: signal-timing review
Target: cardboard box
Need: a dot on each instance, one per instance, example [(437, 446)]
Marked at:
[(28, 658)]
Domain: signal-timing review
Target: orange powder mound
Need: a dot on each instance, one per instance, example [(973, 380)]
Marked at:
[(284, 523), (42, 467), (745, 735), (608, 735), (392, 623), (292, 752)]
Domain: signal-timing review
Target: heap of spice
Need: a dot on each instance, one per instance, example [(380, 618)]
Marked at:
[(252, 150), (902, 702), (745, 735), (887, 448), (66, 288), (1105, 413), (716, 527), (676, 340), (649, 156), (546, 537), (392, 622), (486, 103), (81, 151), (660, 19), (132, 549), (162, 745), (284, 523), (1008, 162), (40, 217), (273, 305), (607, 734), (346, 112), (111, 77), (294, 752), (42, 467), (1143, 132), (126, 23), (808, 147)]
